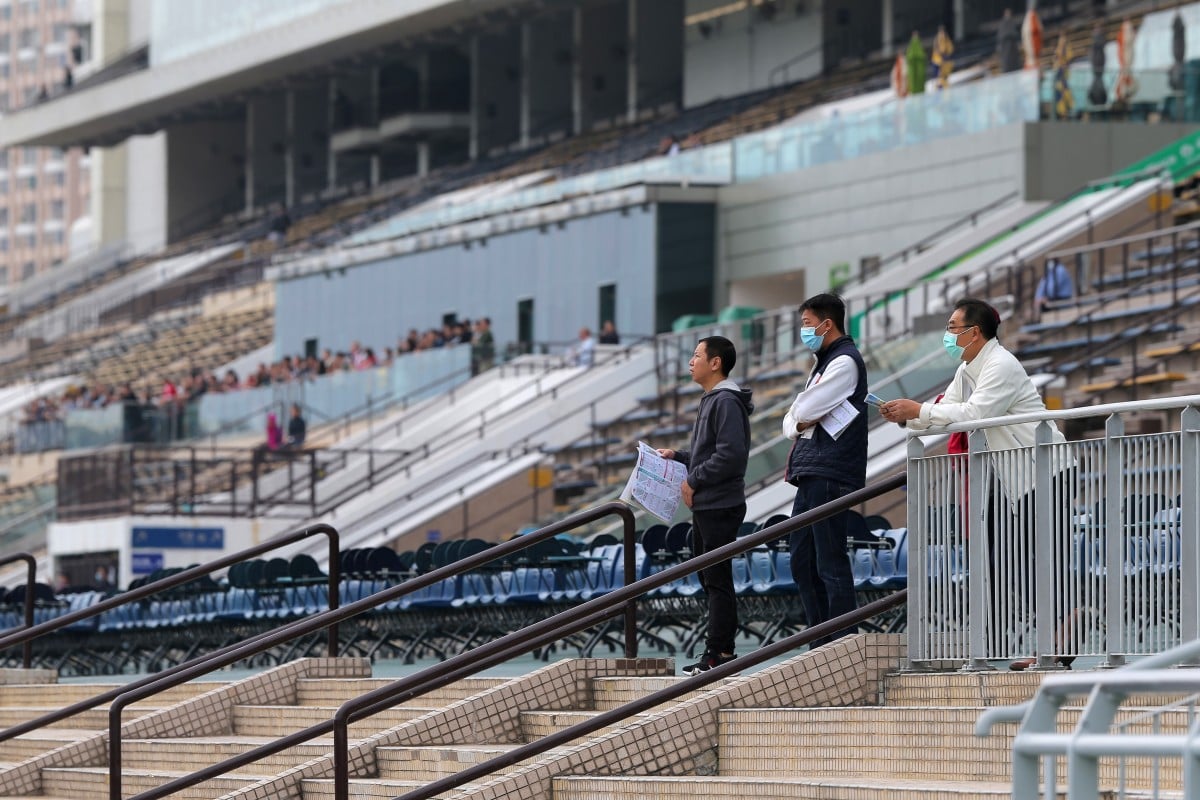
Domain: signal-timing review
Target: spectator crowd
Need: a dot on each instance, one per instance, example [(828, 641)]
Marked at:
[(175, 393)]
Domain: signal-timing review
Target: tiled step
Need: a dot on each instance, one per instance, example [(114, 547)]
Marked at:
[(191, 754), (38, 742), (610, 693), (974, 689), (960, 688), (91, 783), (92, 719), (367, 789), (57, 695), (536, 724), (276, 721), (917, 744), (794, 788), (920, 743), (334, 692), (430, 763)]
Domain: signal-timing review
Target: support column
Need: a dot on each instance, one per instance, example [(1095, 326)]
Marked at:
[(577, 70), (331, 168), (631, 62), (249, 156), (888, 26), (374, 121), (476, 101), (289, 144), (423, 158), (423, 70), (960, 20), (526, 82)]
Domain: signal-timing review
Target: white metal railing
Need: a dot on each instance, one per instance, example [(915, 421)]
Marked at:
[(1151, 752), (1083, 548)]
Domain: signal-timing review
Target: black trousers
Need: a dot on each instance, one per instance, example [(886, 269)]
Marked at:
[(712, 529)]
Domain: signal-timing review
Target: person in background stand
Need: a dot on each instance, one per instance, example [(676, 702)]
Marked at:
[(608, 333), (296, 429)]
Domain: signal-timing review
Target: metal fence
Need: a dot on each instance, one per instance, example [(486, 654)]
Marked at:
[(1083, 548), (1135, 737)]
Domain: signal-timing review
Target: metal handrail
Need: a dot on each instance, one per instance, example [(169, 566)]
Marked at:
[(784, 68), (548, 630), (647, 702), (227, 656), (30, 578), (1082, 412), (917, 247), (1123, 240), (936, 281), (27, 635)]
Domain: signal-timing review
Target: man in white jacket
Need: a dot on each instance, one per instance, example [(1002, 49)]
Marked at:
[(990, 382)]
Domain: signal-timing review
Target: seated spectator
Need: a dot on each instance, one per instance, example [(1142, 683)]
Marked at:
[(296, 429), (274, 434), (279, 226), (584, 353), (608, 333), (1056, 284), (483, 348)]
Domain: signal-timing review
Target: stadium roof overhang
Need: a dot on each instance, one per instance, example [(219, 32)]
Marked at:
[(208, 84)]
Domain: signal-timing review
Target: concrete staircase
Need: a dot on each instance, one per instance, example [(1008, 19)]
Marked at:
[(400, 769), (839, 722)]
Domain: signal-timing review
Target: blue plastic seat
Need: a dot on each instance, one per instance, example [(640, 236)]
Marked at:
[(762, 572), (862, 567)]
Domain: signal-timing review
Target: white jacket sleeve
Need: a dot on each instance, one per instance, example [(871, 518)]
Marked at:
[(835, 385), (996, 389)]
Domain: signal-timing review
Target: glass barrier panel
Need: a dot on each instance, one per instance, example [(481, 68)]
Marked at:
[(962, 109), (95, 427)]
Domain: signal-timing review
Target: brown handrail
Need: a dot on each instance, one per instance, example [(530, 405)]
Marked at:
[(241, 650), (27, 635), (387, 696), (539, 634), (30, 578), (624, 712)]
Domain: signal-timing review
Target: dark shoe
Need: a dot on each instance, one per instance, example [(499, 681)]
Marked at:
[(1023, 664), (707, 662)]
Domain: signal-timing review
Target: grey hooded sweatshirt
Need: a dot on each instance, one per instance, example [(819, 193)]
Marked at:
[(716, 459)]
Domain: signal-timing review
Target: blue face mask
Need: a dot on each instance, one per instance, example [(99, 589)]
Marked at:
[(950, 342), (810, 338)]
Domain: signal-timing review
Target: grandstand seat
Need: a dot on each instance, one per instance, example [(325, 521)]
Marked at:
[(876, 523), (604, 571), (80, 601), (240, 603), (862, 566), (887, 574), (762, 571), (678, 541), (742, 579), (303, 568)]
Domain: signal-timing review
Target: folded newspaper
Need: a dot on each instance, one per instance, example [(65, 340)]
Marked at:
[(655, 483)]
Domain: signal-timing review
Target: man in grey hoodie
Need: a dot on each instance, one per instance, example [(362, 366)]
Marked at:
[(715, 488)]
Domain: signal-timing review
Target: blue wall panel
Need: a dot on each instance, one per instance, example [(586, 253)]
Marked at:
[(562, 269)]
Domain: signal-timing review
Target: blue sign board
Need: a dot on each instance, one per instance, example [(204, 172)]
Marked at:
[(180, 538), (146, 563)]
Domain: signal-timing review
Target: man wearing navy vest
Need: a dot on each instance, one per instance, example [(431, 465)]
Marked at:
[(828, 425)]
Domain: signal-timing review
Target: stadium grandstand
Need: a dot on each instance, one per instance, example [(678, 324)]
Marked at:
[(341, 332)]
